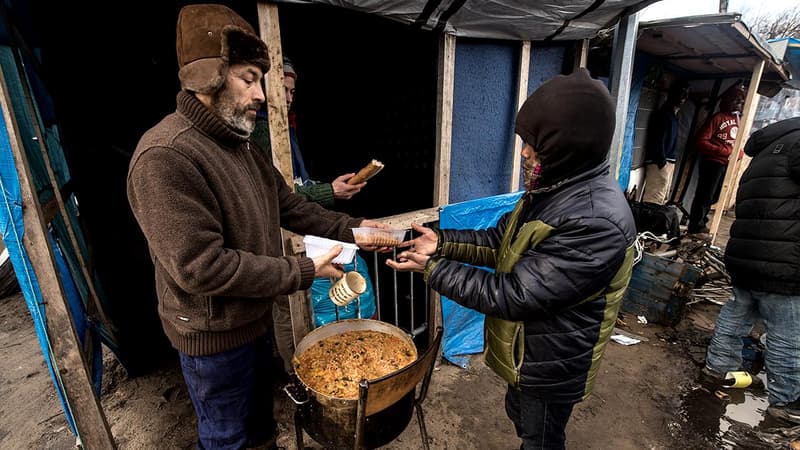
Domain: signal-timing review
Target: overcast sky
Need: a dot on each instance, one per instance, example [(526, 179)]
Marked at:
[(675, 8)]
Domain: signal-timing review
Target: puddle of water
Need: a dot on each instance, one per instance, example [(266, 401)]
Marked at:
[(737, 422)]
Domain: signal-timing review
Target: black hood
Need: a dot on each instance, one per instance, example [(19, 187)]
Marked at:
[(762, 138), (569, 121)]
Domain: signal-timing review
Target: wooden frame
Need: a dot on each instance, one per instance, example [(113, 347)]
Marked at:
[(69, 362), (278, 114), (522, 95), (444, 120)]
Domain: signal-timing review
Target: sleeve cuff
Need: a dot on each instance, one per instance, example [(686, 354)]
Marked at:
[(433, 261), (306, 272)]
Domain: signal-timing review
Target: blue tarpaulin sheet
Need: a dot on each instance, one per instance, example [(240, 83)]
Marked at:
[(463, 327)]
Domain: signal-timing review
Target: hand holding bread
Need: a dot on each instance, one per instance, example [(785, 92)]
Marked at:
[(369, 171)]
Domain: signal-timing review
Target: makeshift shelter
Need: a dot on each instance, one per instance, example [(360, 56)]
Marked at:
[(430, 88), (710, 52)]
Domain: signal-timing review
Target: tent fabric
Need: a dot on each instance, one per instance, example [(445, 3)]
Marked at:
[(463, 327), (500, 19)]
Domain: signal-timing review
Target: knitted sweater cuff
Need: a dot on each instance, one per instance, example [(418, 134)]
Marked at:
[(306, 272)]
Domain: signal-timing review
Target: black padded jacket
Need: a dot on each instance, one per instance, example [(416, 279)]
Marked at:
[(563, 259), (763, 252)]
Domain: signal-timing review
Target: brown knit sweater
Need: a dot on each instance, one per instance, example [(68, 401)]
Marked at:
[(211, 208)]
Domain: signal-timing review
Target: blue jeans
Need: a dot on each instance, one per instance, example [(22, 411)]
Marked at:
[(232, 396), (781, 315), (539, 423)]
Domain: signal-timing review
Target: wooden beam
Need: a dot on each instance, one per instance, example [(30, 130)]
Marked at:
[(278, 116), (581, 53), (69, 363), (404, 221), (745, 123), (522, 95), (622, 56), (444, 120)]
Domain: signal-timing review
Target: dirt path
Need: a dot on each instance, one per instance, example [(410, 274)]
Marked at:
[(640, 400)]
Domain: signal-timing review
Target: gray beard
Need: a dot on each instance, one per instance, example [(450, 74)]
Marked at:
[(235, 118)]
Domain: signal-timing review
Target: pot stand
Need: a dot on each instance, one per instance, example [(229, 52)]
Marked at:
[(383, 406)]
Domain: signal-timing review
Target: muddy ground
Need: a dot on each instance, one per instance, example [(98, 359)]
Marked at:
[(646, 397)]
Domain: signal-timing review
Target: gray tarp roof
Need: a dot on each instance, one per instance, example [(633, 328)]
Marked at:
[(533, 20), (710, 46)]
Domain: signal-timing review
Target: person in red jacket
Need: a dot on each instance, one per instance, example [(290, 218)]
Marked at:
[(714, 142)]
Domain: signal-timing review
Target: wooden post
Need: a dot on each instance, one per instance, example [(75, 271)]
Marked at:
[(620, 85), (278, 116), (522, 95), (68, 361), (581, 53), (444, 120), (277, 112), (745, 122)]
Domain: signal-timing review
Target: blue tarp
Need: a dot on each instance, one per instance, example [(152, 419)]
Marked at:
[(463, 327)]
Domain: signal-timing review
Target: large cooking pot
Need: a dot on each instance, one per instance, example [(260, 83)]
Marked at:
[(384, 406)]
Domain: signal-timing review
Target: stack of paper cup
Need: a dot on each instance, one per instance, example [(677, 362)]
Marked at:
[(350, 286)]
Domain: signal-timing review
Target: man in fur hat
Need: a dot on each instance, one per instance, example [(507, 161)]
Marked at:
[(562, 258), (211, 207)]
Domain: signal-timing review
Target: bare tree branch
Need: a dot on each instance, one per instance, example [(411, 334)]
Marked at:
[(774, 24)]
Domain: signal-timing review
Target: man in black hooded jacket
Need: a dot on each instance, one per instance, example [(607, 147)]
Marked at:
[(763, 259), (562, 260)]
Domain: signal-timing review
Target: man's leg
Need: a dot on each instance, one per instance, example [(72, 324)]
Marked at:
[(782, 316), (540, 424), (225, 391), (702, 198), (735, 320), (655, 187)]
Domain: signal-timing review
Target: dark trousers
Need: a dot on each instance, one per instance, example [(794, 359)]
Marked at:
[(539, 423), (710, 175), (232, 396)]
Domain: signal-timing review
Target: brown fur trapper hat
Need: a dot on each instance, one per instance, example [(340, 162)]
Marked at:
[(569, 121), (209, 39)]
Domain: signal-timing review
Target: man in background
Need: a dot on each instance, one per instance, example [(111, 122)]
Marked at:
[(714, 143), (661, 145)]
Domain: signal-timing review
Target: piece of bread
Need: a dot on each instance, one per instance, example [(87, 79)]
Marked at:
[(369, 171)]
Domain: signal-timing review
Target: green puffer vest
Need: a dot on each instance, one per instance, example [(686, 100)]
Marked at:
[(504, 340)]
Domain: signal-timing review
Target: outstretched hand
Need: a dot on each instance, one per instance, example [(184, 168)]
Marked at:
[(425, 244), (344, 191), (409, 261), (323, 265)]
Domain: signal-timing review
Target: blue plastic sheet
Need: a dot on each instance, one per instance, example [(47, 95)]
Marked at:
[(325, 310), (463, 327)]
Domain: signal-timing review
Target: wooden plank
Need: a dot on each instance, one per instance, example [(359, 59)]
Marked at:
[(444, 119), (581, 53), (622, 56), (404, 221), (522, 95), (68, 360), (743, 165), (270, 33), (745, 123)]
